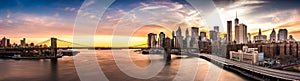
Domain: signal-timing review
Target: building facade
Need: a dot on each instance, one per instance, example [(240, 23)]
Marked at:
[(151, 40), (195, 37), (241, 34), (282, 35), (229, 31), (161, 39), (260, 37), (273, 36)]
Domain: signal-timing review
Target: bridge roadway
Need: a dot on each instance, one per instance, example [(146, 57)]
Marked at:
[(257, 69)]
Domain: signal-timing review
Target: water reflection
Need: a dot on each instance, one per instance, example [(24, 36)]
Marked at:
[(64, 69)]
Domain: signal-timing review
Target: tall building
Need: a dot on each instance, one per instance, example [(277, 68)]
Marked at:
[(173, 39), (241, 34), (236, 29), (23, 42), (260, 37), (273, 36), (8, 42), (179, 38), (178, 32), (249, 37), (195, 37), (229, 31), (187, 38), (217, 30), (240, 31), (161, 39), (202, 35), (195, 32), (3, 42), (151, 40), (213, 35), (282, 35)]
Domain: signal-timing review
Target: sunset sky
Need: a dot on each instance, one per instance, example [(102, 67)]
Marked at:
[(38, 20)]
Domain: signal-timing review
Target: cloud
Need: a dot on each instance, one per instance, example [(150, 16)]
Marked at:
[(9, 21), (153, 7), (164, 14), (56, 15), (36, 26), (88, 3), (8, 16), (144, 4), (71, 9)]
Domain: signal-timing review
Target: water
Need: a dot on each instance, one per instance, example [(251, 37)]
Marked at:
[(64, 69)]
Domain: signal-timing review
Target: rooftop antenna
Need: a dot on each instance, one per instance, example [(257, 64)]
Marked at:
[(235, 14)]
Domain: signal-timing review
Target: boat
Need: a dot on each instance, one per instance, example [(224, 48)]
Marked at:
[(16, 56), (68, 52)]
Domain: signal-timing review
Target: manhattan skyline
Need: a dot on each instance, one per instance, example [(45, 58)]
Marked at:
[(38, 20)]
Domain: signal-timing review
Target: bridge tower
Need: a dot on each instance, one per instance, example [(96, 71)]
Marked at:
[(53, 47)]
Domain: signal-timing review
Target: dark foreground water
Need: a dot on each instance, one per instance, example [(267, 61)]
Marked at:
[(64, 69)]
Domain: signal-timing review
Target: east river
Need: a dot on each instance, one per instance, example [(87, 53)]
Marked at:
[(83, 67)]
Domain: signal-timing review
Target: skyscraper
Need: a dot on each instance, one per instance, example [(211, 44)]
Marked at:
[(3, 42), (151, 40), (187, 38), (229, 31), (216, 29), (282, 35), (241, 34), (173, 39), (260, 37), (179, 38), (161, 39), (273, 36), (195, 32), (236, 29), (8, 42), (195, 37), (23, 42), (213, 35), (202, 35)]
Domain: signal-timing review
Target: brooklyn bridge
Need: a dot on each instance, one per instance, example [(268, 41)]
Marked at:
[(42, 51)]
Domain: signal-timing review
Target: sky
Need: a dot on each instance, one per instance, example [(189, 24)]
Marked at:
[(132, 20)]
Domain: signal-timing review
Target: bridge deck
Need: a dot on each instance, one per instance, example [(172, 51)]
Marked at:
[(257, 69)]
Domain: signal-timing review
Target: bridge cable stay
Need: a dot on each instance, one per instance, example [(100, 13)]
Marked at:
[(71, 42), (43, 42), (139, 45), (49, 40)]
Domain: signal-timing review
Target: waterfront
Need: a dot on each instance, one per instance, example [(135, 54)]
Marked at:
[(64, 69)]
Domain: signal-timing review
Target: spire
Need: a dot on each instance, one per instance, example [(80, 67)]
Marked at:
[(187, 32), (236, 20), (179, 28), (235, 14), (178, 32), (173, 34)]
